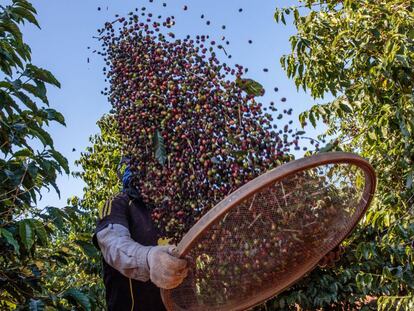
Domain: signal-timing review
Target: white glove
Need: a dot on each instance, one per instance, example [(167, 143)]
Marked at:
[(166, 270), (121, 252)]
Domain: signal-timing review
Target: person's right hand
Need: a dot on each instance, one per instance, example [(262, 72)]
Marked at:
[(166, 271)]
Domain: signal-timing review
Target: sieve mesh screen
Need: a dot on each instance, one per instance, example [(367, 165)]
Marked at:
[(264, 243)]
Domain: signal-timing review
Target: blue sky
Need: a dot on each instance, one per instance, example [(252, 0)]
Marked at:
[(67, 30)]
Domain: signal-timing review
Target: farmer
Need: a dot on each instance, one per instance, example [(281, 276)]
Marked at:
[(134, 266)]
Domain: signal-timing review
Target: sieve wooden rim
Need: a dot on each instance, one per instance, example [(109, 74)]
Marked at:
[(255, 185)]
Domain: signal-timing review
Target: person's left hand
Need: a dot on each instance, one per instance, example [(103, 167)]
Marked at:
[(166, 270)]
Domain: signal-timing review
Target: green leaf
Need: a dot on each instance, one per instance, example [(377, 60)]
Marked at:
[(54, 115), (41, 74), (276, 16), (7, 101), (76, 297), (63, 162), (159, 147), (11, 27), (87, 248), (282, 18), (302, 118), (25, 14), (387, 220), (403, 59), (296, 14), (6, 85), (372, 135), (57, 217), (329, 147), (38, 91), (250, 86), (26, 100), (36, 305), (26, 232), (345, 107), (42, 135), (10, 239), (25, 4), (40, 232), (23, 153), (312, 119)]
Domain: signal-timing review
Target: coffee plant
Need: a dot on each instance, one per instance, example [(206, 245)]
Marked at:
[(361, 53), (29, 163)]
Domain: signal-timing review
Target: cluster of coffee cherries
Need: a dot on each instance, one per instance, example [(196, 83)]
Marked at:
[(191, 124)]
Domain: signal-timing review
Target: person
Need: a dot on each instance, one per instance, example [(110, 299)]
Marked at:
[(134, 266)]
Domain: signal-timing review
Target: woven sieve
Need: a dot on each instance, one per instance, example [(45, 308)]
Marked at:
[(269, 233)]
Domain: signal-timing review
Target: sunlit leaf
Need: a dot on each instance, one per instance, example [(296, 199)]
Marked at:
[(250, 86)]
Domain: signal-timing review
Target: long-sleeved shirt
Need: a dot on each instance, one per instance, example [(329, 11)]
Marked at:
[(124, 234)]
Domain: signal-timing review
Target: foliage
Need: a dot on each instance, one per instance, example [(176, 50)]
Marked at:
[(99, 164), (28, 164), (362, 54), (99, 173)]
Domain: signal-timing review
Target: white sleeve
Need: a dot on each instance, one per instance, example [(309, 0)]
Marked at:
[(121, 252)]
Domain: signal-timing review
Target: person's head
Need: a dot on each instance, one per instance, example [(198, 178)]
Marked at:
[(129, 178), (125, 174)]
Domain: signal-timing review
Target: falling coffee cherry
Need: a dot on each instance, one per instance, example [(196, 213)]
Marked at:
[(185, 8), (208, 22), (99, 8), (283, 99), (240, 10), (250, 41), (223, 27), (265, 70), (276, 89)]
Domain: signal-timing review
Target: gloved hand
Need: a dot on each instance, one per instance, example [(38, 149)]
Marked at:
[(166, 270)]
